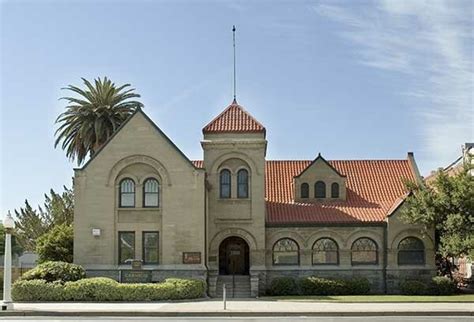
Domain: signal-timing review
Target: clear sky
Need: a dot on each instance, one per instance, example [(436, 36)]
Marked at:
[(349, 79)]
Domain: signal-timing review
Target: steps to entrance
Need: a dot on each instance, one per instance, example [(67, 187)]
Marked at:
[(238, 288)]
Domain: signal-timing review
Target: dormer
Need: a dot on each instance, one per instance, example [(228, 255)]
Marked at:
[(319, 182)]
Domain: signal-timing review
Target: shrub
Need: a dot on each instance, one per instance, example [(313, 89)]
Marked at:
[(106, 289), (321, 286), (92, 289), (413, 288), (55, 271), (56, 245), (283, 286), (37, 290), (324, 286), (357, 286), (442, 285)]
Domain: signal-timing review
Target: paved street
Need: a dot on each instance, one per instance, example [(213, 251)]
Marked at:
[(251, 319)]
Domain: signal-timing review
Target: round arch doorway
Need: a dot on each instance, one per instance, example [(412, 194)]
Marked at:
[(234, 257)]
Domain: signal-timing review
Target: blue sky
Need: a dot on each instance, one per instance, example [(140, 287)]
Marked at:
[(352, 80)]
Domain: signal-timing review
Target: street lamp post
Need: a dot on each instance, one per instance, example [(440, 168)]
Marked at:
[(9, 225)]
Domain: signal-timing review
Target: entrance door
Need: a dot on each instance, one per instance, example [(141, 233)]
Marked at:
[(234, 257)]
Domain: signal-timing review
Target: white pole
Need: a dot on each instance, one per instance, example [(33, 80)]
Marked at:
[(8, 225), (7, 273), (224, 296)]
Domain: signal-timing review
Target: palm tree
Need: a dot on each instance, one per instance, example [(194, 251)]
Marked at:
[(92, 118)]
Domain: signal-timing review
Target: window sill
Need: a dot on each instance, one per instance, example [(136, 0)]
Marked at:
[(139, 208)]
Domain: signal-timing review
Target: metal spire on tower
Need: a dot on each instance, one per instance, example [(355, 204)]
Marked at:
[(235, 94)]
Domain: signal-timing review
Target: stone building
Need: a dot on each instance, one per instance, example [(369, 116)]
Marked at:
[(238, 218)]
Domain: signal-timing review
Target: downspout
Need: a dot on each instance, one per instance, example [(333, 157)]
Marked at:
[(385, 250), (205, 224)]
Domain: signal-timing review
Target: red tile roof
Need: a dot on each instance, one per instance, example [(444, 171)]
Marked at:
[(234, 119), (374, 187)]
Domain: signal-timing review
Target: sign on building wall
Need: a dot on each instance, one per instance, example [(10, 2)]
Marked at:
[(138, 276), (191, 257)]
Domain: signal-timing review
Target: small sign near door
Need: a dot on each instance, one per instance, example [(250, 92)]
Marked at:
[(234, 252), (191, 257)]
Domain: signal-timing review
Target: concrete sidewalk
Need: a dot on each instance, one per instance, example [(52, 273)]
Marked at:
[(245, 307)]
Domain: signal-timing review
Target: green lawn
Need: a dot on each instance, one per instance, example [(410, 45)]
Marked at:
[(374, 298)]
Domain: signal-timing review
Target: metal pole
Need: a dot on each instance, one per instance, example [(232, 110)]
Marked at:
[(224, 296), (7, 273)]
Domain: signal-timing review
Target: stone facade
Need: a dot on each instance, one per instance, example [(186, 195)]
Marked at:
[(193, 218)]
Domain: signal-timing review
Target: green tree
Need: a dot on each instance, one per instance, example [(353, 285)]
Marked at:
[(16, 247), (56, 244), (32, 223), (448, 206), (91, 118)]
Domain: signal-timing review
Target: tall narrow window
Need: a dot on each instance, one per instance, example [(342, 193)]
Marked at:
[(411, 251), (126, 246), (225, 183), (335, 190), (127, 193), (325, 252), (320, 190), (364, 252), (242, 184), (304, 190), (150, 247), (151, 190), (286, 252)]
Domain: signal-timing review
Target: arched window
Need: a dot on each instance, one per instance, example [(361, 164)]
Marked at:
[(127, 193), (224, 181), (242, 184), (325, 252), (335, 190), (304, 190), (286, 252), (411, 251), (320, 190), (364, 252), (151, 193)]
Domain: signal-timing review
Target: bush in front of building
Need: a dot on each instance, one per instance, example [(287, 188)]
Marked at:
[(413, 288), (357, 286), (314, 285), (92, 289), (322, 286), (37, 291), (55, 271), (439, 285), (442, 285), (106, 289), (283, 286)]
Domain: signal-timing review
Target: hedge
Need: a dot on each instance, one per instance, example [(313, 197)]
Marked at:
[(439, 285), (106, 289), (55, 271), (283, 286), (318, 286)]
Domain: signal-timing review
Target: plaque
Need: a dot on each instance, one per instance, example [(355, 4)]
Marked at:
[(136, 264), (136, 276), (191, 257), (213, 258)]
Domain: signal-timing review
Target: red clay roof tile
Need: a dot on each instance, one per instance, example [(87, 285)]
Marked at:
[(234, 119), (373, 189)]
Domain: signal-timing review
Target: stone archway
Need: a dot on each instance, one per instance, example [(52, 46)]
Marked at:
[(234, 256)]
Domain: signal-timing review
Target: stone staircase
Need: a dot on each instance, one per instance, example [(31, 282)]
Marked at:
[(239, 288)]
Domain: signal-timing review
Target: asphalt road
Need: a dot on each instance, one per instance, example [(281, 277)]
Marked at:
[(249, 319)]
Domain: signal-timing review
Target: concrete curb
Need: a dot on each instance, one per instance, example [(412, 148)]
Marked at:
[(235, 313)]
